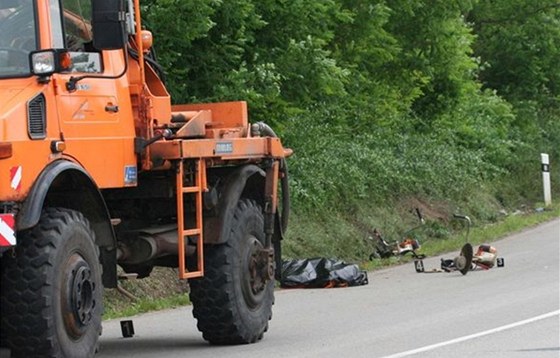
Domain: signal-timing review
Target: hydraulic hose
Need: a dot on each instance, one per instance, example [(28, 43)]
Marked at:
[(258, 129), (285, 195)]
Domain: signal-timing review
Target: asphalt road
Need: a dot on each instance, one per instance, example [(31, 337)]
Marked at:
[(503, 312)]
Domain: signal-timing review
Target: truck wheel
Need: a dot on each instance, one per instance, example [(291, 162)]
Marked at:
[(51, 289), (232, 302)]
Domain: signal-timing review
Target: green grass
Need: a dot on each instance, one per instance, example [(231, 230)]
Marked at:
[(161, 290), (143, 305)]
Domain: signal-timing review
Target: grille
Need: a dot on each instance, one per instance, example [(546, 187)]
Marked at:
[(37, 126)]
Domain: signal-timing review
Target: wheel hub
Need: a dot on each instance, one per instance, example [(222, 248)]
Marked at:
[(82, 295), (79, 301), (261, 267)]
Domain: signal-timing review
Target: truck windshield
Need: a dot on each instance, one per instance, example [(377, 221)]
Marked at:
[(18, 37)]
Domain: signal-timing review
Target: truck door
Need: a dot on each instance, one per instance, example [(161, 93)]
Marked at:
[(93, 101)]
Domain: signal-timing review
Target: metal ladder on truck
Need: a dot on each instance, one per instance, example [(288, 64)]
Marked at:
[(196, 186)]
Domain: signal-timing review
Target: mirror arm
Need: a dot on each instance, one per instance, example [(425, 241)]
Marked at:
[(71, 84)]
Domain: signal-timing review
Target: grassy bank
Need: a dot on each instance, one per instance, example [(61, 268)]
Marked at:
[(161, 290)]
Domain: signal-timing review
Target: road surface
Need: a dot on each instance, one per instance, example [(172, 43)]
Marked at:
[(503, 312)]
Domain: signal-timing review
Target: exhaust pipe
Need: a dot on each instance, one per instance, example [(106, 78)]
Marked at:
[(150, 243)]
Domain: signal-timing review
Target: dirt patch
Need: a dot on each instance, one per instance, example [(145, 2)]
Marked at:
[(440, 211), (162, 282)]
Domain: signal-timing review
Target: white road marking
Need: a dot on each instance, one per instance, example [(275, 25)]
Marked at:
[(472, 336)]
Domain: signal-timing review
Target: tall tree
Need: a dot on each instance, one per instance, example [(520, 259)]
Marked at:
[(436, 63), (518, 43)]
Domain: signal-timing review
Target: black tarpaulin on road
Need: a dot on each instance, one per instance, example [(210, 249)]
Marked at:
[(321, 273)]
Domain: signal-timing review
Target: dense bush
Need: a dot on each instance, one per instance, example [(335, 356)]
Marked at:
[(380, 99)]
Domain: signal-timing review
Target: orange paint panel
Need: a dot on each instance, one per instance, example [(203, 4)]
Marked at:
[(85, 108), (13, 125), (104, 159), (97, 123), (96, 100), (43, 14), (19, 172), (10, 95), (196, 124), (224, 114), (14, 95), (166, 149), (230, 149), (29, 157)]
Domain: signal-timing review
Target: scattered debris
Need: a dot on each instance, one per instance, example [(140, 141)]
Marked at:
[(409, 244), (503, 212), (485, 257), (127, 329)]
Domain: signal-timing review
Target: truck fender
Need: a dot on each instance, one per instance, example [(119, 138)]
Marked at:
[(65, 176), (216, 228)]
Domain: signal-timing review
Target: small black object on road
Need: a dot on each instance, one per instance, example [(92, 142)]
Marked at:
[(127, 328)]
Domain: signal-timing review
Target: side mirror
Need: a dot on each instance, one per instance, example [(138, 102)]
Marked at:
[(108, 24)]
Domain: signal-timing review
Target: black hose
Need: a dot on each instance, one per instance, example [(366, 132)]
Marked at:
[(262, 128), (150, 60), (285, 195)]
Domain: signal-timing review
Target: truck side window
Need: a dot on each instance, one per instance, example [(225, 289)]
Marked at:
[(17, 25), (18, 37), (78, 36)]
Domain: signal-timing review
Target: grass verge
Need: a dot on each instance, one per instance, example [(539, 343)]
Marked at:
[(161, 290), (146, 304)]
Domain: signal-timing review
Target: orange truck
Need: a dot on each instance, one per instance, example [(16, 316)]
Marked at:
[(101, 176)]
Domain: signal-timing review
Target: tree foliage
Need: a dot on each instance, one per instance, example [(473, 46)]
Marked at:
[(378, 98), (519, 46), (519, 43)]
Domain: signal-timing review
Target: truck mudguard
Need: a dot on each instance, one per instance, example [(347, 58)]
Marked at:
[(61, 177), (215, 228)]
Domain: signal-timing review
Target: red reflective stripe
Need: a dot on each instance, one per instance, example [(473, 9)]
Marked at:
[(15, 177), (4, 242), (7, 230)]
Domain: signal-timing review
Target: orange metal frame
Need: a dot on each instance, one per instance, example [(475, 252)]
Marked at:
[(196, 189)]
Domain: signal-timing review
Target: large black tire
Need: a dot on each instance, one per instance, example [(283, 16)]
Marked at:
[(231, 303), (51, 290)]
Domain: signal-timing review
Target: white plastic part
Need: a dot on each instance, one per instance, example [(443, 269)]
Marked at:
[(546, 179)]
